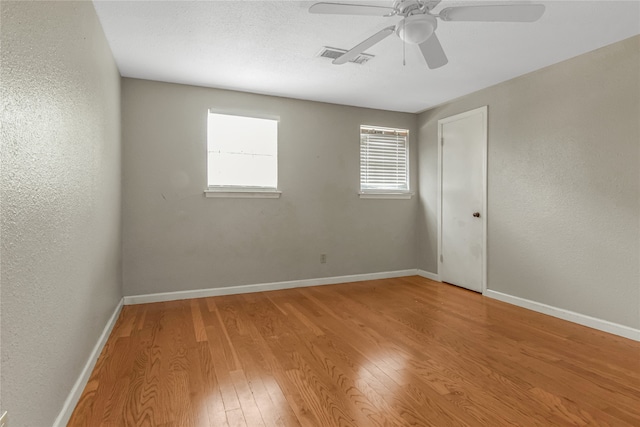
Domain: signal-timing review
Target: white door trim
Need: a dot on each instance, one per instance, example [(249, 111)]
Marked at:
[(484, 111)]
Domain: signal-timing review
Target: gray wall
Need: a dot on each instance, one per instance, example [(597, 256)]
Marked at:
[(563, 184), (60, 192), (176, 239)]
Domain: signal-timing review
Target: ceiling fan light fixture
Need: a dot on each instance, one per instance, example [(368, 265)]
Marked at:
[(416, 29)]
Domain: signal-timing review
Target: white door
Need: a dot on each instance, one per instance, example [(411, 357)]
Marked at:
[(462, 212)]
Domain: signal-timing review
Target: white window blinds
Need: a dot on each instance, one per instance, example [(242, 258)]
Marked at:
[(384, 156)]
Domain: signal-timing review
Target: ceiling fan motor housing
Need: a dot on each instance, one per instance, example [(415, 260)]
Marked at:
[(416, 29), (406, 7)]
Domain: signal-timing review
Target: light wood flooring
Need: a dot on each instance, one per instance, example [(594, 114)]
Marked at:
[(395, 352)]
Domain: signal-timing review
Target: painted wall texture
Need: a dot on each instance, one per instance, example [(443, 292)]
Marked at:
[(60, 193), (563, 184), (176, 239)]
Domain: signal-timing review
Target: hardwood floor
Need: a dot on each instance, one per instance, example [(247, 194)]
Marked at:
[(395, 352)]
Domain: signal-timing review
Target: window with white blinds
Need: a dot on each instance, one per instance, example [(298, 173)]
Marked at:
[(384, 160)]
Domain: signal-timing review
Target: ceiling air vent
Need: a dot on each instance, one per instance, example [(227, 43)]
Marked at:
[(333, 53)]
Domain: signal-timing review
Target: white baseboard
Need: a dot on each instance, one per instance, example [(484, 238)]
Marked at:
[(582, 319), (245, 289), (74, 396), (429, 275)]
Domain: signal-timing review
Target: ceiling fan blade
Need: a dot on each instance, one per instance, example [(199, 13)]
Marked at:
[(499, 13), (430, 4), (358, 49), (351, 9), (433, 53)]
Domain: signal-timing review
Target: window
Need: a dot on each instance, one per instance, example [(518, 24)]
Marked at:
[(384, 162), (242, 155)]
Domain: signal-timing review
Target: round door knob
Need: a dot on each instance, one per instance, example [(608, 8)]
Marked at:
[(476, 214)]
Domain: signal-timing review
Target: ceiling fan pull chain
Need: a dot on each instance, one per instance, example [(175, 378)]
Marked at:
[(404, 59)]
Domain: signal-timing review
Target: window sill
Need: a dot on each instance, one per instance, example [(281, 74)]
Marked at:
[(249, 193), (385, 195)]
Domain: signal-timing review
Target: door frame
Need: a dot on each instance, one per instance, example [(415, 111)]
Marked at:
[(484, 111)]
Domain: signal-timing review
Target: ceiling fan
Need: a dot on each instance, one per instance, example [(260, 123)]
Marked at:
[(419, 23)]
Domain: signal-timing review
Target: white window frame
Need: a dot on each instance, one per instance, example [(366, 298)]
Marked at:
[(240, 191), (386, 193)]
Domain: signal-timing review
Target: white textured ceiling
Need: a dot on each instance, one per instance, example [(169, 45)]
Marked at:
[(270, 47)]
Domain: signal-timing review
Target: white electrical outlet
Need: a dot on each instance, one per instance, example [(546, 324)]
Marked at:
[(4, 422)]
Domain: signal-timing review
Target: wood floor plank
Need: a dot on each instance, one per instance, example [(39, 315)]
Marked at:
[(392, 352), (250, 410), (236, 418), (144, 403), (229, 351), (225, 383), (198, 324), (214, 403)]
